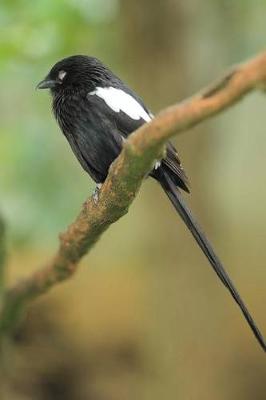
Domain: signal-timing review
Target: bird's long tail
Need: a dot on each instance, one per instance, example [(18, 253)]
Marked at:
[(178, 202)]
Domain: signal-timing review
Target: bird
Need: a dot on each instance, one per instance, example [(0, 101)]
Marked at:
[(96, 111)]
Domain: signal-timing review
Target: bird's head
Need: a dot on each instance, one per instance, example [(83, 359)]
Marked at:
[(76, 73)]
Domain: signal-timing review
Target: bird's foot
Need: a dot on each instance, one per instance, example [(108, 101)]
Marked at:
[(96, 193)]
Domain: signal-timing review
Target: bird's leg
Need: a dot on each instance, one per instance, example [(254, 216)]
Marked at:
[(96, 193)]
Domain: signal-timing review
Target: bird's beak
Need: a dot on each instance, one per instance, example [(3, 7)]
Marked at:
[(46, 84)]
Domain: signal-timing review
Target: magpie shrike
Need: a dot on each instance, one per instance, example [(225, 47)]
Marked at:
[(96, 112)]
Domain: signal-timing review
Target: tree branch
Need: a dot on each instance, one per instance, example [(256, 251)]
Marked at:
[(124, 179)]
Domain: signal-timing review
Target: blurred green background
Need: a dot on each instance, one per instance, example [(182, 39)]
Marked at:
[(145, 317)]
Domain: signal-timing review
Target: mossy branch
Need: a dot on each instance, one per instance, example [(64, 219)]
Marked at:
[(124, 179)]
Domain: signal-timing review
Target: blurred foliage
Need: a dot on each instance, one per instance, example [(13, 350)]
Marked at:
[(147, 319), (34, 35)]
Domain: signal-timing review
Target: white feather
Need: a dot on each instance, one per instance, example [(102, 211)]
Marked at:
[(157, 164), (118, 100)]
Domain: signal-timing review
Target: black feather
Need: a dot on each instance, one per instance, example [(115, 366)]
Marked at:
[(178, 202)]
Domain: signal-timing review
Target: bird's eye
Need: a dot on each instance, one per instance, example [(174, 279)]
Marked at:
[(61, 75)]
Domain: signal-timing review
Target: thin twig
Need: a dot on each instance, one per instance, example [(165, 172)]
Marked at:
[(2, 258)]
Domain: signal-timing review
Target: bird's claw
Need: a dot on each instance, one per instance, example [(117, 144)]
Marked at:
[(96, 193)]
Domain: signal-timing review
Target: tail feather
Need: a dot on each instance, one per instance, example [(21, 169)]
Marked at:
[(178, 202)]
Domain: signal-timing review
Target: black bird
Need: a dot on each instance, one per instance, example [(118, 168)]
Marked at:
[(96, 112)]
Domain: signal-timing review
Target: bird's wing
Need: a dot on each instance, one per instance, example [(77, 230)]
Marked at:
[(127, 112), (173, 164)]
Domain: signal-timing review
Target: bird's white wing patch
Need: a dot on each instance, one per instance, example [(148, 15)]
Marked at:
[(118, 100)]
